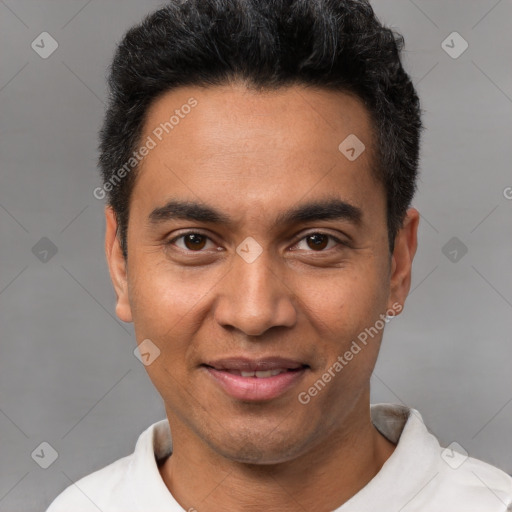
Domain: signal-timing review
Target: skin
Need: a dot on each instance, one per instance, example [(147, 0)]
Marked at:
[(253, 155)]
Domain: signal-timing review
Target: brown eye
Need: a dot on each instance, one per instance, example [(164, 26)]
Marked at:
[(317, 241), (320, 242), (194, 241), (191, 241)]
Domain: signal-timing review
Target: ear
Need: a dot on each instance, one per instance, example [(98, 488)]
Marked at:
[(117, 266), (406, 243)]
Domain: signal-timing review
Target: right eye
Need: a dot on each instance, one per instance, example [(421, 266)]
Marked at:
[(191, 241)]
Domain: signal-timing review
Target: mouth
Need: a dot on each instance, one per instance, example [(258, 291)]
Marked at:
[(256, 385), (261, 374)]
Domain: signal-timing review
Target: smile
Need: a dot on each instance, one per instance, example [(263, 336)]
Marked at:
[(256, 385)]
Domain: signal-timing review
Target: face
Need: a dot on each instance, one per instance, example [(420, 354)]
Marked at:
[(288, 257)]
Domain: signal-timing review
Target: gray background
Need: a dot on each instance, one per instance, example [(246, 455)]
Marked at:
[(68, 375)]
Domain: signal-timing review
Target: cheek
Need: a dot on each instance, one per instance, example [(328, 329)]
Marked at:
[(346, 315), (349, 301), (161, 306), (169, 306), (160, 295)]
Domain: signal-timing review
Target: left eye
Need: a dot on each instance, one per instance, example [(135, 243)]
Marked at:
[(195, 242), (318, 241)]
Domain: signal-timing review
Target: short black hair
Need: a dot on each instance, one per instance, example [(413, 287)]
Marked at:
[(266, 44)]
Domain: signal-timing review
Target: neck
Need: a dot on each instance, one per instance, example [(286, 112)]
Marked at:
[(321, 479)]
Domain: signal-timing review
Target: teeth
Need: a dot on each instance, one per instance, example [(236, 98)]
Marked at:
[(260, 374), (264, 374)]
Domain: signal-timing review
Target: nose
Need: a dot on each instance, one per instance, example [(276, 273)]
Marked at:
[(253, 297)]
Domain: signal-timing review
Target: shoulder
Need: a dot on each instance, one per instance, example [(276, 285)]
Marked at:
[(429, 477), (481, 485), (94, 491), (117, 486)]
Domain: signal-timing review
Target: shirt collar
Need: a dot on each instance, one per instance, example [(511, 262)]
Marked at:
[(148, 490), (411, 466), (413, 457)]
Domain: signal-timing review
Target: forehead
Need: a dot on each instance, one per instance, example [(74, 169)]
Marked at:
[(264, 147), (230, 115)]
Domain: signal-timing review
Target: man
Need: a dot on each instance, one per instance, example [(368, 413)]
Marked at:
[(259, 160)]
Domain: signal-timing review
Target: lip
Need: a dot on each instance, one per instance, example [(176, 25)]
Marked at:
[(253, 365), (254, 388)]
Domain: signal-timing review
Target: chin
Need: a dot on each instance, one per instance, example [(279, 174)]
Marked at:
[(264, 453)]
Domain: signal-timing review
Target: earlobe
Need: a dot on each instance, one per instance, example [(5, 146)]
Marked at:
[(403, 254), (117, 266)]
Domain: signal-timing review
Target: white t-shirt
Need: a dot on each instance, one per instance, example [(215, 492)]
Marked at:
[(419, 476)]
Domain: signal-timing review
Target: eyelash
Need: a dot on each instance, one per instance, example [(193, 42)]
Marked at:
[(332, 237)]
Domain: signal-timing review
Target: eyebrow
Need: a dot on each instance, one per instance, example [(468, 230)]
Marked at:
[(326, 209)]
